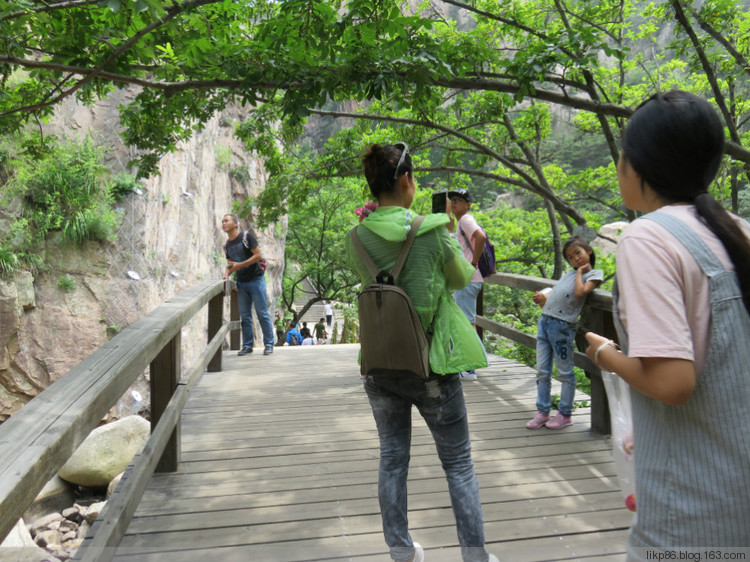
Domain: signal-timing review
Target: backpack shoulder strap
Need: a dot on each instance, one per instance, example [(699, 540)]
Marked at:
[(366, 259), (401, 259)]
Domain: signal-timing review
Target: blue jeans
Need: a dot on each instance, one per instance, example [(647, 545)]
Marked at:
[(440, 401), (554, 340), (466, 299), (251, 293)]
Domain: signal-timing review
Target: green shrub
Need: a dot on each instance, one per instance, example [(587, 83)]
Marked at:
[(122, 185), (66, 284), (9, 262), (64, 190)]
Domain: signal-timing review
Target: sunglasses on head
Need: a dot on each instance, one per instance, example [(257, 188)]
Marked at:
[(404, 152)]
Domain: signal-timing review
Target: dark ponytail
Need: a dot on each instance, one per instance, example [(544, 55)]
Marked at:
[(675, 142), (726, 229), (381, 163)]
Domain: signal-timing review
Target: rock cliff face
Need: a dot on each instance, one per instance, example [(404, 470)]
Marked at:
[(170, 239)]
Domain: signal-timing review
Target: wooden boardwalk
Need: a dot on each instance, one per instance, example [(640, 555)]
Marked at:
[(280, 462)]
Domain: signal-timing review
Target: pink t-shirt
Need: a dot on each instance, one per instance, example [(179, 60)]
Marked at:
[(664, 295), (468, 225)]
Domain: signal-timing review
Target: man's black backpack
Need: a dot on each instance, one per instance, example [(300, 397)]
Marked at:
[(393, 342), (294, 339)]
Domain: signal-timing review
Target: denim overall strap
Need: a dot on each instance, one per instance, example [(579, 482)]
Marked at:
[(691, 476), (706, 259)]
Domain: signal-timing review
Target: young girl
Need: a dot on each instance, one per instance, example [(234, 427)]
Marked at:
[(682, 296), (557, 330)]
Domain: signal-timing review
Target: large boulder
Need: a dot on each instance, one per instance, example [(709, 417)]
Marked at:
[(106, 452)]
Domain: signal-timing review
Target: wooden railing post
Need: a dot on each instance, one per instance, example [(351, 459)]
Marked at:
[(215, 321), (165, 371), (234, 314)]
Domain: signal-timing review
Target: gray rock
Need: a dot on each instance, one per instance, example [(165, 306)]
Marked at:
[(43, 523), (48, 539), (73, 514), (83, 528), (106, 452), (94, 511), (113, 485)]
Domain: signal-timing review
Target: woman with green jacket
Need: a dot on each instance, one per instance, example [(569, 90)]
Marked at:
[(434, 265)]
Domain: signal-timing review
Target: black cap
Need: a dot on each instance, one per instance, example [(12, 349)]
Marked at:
[(462, 193)]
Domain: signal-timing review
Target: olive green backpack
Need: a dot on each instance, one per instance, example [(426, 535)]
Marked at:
[(393, 342)]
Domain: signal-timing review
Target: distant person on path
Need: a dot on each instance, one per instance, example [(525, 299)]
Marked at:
[(556, 332), (280, 325), (305, 331), (320, 330), (329, 314), (682, 312), (293, 337), (471, 238), (433, 266), (243, 254)]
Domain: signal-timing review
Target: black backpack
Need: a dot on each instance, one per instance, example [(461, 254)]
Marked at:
[(393, 342), (294, 339)]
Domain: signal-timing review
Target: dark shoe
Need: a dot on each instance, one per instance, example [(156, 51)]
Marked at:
[(268, 350), (245, 351)]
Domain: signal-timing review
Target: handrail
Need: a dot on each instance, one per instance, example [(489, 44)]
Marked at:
[(37, 441), (596, 316)]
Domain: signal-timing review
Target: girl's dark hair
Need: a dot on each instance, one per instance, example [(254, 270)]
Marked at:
[(380, 163), (675, 142), (578, 241)]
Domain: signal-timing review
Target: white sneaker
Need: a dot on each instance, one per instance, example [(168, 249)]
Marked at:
[(418, 553), (468, 375), (493, 558)]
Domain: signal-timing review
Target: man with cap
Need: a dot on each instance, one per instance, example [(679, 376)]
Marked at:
[(471, 238)]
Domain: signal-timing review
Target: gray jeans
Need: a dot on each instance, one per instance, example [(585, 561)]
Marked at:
[(440, 401)]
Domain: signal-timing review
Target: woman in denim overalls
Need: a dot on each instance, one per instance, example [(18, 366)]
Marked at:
[(682, 298)]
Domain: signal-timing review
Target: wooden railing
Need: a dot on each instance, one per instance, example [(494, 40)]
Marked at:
[(596, 317), (38, 440)]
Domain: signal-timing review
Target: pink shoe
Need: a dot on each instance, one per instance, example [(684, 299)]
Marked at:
[(559, 421), (539, 420)]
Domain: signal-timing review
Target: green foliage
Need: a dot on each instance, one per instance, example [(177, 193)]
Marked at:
[(315, 243), (9, 262), (122, 185), (240, 173), (66, 284), (223, 157), (64, 191)]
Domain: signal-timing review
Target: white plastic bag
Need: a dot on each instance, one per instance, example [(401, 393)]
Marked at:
[(623, 450)]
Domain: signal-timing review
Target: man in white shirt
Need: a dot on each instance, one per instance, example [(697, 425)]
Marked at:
[(329, 314), (471, 238)]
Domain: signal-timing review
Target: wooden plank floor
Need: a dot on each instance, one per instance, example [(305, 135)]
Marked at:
[(280, 462)]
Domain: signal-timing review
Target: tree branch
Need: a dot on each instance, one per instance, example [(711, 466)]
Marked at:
[(49, 8)]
